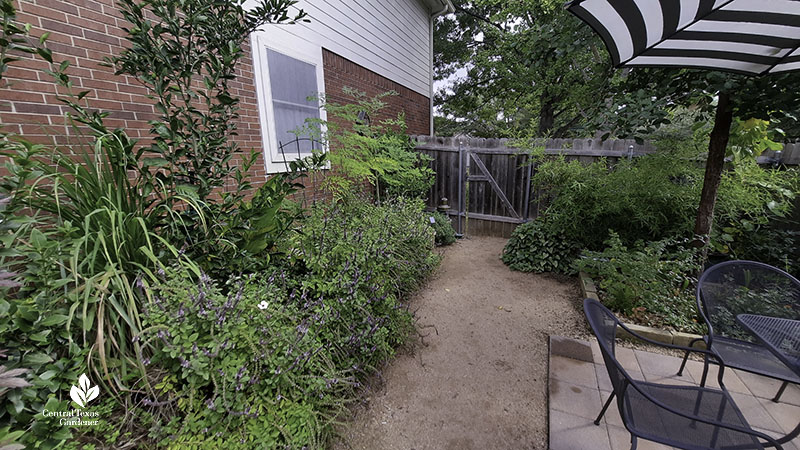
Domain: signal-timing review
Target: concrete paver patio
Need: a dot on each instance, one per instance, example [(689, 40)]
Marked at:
[(579, 385)]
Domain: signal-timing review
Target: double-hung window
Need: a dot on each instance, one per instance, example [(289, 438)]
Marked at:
[(289, 83)]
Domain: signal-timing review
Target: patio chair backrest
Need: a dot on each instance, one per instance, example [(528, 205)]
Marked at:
[(745, 287), (604, 324)]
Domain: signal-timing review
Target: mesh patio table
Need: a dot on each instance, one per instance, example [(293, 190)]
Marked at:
[(782, 337)]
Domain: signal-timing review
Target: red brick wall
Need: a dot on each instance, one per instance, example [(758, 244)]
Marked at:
[(85, 32), (341, 72)]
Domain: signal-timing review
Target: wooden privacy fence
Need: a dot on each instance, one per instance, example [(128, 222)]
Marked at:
[(487, 181)]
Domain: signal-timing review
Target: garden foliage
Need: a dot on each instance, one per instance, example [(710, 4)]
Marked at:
[(649, 198), (86, 230), (651, 282), (274, 362), (631, 220), (187, 58), (370, 148), (534, 247), (776, 243), (258, 333), (443, 226), (756, 216), (653, 197), (92, 228)]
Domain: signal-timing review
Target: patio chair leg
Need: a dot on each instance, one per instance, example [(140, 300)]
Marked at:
[(720, 414), (683, 364), (697, 403), (605, 407), (686, 356), (780, 392), (705, 371), (634, 442)]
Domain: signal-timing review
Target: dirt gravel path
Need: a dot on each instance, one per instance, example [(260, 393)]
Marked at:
[(479, 378)]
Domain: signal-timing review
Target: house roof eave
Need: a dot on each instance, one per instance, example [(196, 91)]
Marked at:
[(439, 7)]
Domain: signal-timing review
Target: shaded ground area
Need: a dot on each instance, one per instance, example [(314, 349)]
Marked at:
[(478, 380)]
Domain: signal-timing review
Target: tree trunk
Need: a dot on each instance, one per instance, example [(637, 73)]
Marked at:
[(717, 144), (547, 116)]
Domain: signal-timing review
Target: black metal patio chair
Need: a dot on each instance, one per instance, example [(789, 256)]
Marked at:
[(687, 417), (745, 287)]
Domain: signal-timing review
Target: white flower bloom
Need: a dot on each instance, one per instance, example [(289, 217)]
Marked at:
[(263, 305)]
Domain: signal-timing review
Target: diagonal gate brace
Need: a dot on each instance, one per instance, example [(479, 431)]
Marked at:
[(495, 186)]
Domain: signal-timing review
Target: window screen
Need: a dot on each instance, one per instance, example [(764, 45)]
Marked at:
[(292, 81)]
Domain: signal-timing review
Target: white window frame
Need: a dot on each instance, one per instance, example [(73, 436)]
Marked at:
[(280, 40)]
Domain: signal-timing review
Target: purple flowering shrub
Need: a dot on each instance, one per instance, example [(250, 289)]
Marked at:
[(231, 363), (362, 260), (391, 243), (273, 362)]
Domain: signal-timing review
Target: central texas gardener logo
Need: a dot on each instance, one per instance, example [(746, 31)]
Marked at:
[(84, 392)]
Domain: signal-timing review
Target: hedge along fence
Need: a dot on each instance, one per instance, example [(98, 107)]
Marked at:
[(487, 181)]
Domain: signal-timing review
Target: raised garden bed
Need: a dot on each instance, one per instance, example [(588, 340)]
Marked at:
[(589, 290)]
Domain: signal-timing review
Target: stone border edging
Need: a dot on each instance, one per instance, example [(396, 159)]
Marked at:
[(589, 290), (571, 348)]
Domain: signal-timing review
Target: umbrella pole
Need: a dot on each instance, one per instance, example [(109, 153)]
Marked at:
[(717, 145)]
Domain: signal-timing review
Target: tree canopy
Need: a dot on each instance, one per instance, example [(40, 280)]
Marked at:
[(533, 67), (530, 64)]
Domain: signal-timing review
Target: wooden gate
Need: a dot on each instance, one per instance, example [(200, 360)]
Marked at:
[(488, 189), (496, 192)]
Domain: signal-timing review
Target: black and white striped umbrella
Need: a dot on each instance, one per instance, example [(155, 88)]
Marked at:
[(753, 37)]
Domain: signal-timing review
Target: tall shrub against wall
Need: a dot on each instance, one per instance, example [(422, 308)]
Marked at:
[(85, 226), (187, 58), (368, 149)]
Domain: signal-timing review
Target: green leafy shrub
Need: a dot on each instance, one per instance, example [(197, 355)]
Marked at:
[(533, 247), (34, 344), (397, 232), (754, 214), (410, 175), (651, 283), (193, 136), (631, 214), (242, 239), (35, 340), (443, 227), (366, 149), (109, 198), (649, 198), (273, 362), (770, 244), (82, 226), (240, 370), (190, 84), (656, 196)]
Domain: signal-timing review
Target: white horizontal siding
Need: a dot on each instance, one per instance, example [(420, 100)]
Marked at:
[(389, 37)]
